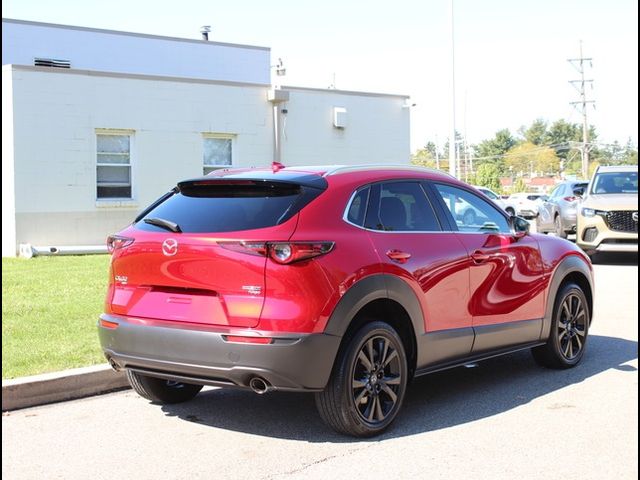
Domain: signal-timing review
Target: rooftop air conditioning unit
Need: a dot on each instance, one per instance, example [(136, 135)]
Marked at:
[(51, 62)]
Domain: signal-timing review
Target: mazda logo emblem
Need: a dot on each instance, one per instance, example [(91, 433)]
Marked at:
[(170, 247), (634, 215)]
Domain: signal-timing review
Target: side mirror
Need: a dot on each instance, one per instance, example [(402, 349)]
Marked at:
[(519, 226), (578, 192)]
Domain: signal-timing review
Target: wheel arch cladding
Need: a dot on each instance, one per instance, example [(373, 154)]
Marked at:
[(571, 269), (380, 297)]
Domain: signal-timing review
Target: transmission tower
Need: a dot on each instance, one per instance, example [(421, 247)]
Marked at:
[(581, 105)]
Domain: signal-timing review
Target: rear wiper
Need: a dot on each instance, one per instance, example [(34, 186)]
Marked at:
[(161, 222)]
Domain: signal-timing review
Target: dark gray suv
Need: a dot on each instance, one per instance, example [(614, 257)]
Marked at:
[(558, 213)]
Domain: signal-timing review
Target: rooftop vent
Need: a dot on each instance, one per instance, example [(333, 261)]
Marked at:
[(205, 30), (51, 62)]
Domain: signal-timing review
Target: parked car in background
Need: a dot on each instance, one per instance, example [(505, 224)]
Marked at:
[(527, 204), (608, 216), (345, 282), (558, 214), (502, 201)]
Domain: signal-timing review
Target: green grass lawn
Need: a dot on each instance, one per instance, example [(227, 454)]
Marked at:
[(50, 307)]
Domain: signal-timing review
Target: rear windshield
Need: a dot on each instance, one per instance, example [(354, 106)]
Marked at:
[(227, 206)]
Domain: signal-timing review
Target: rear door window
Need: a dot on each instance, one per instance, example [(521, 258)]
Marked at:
[(227, 206), (470, 212), (400, 207)]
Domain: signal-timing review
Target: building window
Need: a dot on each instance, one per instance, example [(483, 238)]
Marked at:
[(113, 166), (217, 153)]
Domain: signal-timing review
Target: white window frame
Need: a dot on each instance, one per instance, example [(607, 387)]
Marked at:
[(220, 136), (110, 201)]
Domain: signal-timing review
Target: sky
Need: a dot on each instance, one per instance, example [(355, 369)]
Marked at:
[(510, 55)]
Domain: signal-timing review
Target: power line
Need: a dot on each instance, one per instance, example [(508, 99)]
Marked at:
[(581, 105)]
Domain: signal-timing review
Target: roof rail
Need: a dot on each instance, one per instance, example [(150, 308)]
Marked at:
[(356, 168)]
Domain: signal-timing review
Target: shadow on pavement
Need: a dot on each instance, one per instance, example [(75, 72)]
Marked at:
[(615, 258), (433, 402)]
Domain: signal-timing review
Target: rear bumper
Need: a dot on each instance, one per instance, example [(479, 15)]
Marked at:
[(294, 362), (569, 219), (527, 212)]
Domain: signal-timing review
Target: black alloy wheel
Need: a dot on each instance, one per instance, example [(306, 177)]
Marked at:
[(567, 340), (368, 383), (572, 327), (376, 380)]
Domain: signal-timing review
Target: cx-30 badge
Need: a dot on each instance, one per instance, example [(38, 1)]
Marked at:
[(170, 247)]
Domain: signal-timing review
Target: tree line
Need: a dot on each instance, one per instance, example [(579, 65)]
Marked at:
[(539, 149)]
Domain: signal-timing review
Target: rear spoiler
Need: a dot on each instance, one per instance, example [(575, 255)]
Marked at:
[(257, 178)]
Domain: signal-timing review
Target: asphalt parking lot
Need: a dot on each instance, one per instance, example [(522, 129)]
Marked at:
[(505, 418)]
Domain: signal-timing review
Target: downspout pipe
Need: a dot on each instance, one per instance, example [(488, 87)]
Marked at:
[(277, 97)]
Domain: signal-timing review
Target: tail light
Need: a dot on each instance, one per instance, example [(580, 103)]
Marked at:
[(290, 252), (570, 199), (281, 252), (116, 242)]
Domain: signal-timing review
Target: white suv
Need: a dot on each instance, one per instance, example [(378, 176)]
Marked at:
[(507, 205), (527, 204)]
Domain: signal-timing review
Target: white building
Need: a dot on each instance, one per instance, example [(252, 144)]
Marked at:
[(98, 123)]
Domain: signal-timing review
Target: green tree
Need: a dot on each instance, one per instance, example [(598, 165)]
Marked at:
[(493, 150), (519, 186), (536, 133), (445, 149), (488, 175), (431, 148), (527, 157), (425, 157), (630, 154), (563, 135)]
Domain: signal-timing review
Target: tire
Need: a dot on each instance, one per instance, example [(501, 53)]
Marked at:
[(363, 397), (558, 229), (159, 390), (469, 217), (539, 228), (569, 330)]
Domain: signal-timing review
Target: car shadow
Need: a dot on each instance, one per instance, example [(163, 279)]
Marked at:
[(615, 258), (440, 400)]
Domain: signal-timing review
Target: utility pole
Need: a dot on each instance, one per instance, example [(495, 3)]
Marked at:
[(452, 138), (581, 106)]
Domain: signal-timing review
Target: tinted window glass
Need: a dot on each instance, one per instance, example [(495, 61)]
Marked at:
[(557, 192), (489, 193), (400, 207), (470, 212), (229, 207), (358, 207)]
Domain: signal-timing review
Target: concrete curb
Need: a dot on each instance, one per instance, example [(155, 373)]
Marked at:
[(60, 386)]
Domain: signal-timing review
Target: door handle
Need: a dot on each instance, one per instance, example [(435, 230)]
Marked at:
[(480, 257), (398, 256)]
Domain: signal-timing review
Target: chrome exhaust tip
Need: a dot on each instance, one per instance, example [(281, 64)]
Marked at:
[(114, 364), (259, 386)]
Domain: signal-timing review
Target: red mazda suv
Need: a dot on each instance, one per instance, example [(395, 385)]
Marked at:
[(342, 281)]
